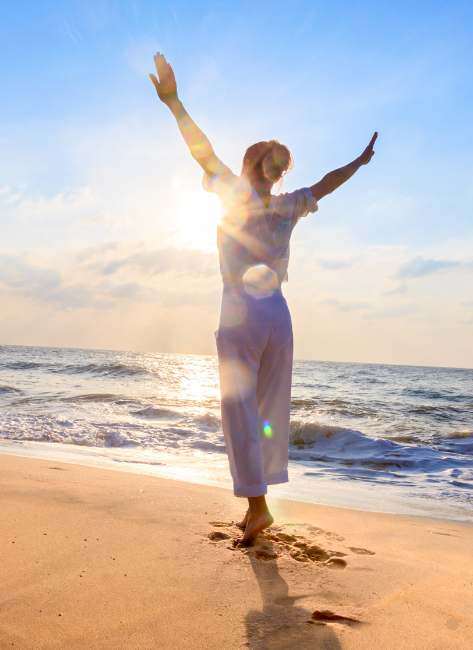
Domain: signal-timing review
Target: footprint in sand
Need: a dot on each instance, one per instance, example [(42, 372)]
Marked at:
[(309, 529), (320, 531), (274, 542), (217, 536), (361, 551), (302, 550), (221, 524)]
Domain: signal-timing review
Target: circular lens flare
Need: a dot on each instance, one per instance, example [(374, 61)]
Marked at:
[(259, 281)]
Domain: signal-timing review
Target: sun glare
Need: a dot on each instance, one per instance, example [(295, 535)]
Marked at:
[(196, 218)]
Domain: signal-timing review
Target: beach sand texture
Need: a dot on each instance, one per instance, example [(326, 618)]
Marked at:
[(93, 558)]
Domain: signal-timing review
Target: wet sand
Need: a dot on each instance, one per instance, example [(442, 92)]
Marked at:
[(94, 558)]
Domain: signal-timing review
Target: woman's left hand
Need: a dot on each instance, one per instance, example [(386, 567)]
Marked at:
[(165, 81)]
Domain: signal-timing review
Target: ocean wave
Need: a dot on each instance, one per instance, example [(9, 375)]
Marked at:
[(207, 445), (436, 412), (427, 393), (409, 438), (317, 401), (156, 413), (113, 369), (312, 385), (459, 442), (208, 421), (93, 397), (335, 406), (462, 484), (20, 365), (460, 436), (113, 438), (354, 411), (9, 389), (85, 398), (33, 399), (331, 444), (311, 401), (337, 442), (116, 369)]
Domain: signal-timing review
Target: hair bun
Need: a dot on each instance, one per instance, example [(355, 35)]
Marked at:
[(266, 160)]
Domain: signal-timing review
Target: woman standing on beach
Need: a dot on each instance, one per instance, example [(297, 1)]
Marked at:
[(254, 337)]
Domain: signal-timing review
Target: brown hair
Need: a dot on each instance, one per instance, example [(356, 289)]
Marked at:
[(266, 160)]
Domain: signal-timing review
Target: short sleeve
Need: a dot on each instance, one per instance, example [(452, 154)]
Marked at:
[(217, 182), (298, 204), (229, 187)]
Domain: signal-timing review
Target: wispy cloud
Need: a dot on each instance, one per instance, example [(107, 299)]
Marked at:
[(165, 260), (18, 274), (392, 312), (104, 277), (398, 290), (419, 267), (333, 264), (345, 305)]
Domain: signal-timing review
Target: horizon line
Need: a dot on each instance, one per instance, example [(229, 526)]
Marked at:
[(203, 354)]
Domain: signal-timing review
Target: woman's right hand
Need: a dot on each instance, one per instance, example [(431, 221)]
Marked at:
[(368, 153), (165, 81)]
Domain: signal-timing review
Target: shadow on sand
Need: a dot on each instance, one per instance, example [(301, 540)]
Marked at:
[(281, 624)]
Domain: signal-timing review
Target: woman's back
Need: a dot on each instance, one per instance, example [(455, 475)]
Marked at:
[(254, 233)]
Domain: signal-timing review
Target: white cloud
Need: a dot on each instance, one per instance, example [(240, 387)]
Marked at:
[(335, 264), (109, 276), (419, 267)]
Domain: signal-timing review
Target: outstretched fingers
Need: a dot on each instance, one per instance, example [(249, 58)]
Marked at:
[(373, 140), (163, 68), (158, 57), (154, 80), (368, 153), (164, 80)]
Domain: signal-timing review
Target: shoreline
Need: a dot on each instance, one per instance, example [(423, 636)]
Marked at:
[(111, 560), (324, 492)]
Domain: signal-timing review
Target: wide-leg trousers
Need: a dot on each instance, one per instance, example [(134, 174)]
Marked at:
[(255, 354)]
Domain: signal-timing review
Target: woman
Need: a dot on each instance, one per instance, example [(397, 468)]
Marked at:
[(254, 338)]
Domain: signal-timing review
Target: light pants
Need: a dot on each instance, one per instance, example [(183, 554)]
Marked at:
[(255, 351)]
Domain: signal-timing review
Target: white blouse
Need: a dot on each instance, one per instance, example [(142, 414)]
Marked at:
[(251, 233)]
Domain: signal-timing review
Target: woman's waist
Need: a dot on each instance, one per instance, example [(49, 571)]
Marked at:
[(242, 308), (251, 290), (235, 294)]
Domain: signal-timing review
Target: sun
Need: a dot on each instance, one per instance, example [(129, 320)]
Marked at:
[(196, 218)]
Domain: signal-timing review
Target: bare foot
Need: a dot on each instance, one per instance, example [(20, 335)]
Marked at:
[(242, 524), (254, 525)]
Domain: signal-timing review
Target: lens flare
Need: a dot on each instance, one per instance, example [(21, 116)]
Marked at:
[(236, 378), (267, 429), (260, 281)]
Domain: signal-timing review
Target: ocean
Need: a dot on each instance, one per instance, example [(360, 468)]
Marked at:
[(369, 436)]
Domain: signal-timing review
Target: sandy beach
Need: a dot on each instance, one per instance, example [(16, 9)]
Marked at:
[(94, 558)]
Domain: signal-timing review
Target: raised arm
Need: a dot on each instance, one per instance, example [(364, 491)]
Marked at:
[(199, 145), (334, 179)]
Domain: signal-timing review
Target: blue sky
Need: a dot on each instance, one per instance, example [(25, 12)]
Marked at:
[(92, 165)]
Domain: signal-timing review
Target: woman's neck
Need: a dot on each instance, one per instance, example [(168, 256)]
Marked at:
[(263, 188)]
